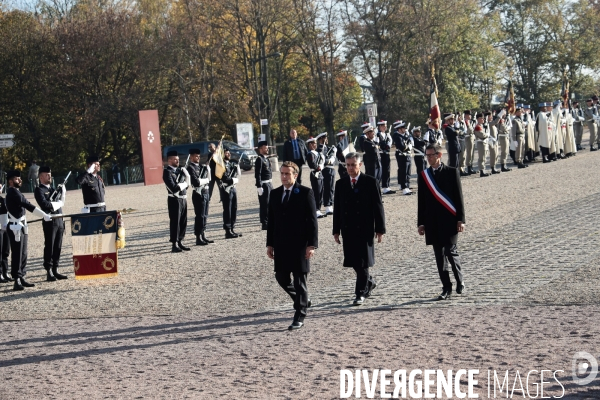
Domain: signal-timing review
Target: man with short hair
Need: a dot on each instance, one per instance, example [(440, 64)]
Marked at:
[(482, 134), (263, 178), (294, 150), (292, 237), (359, 217), (92, 187), (199, 180), (452, 140), (371, 155), (503, 139), (17, 229), (419, 149), (441, 216), (177, 180), (55, 229), (228, 194)]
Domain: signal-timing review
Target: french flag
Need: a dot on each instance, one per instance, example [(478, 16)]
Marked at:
[(94, 239)]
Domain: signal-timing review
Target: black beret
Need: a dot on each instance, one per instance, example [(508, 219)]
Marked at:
[(13, 174), (487, 113), (225, 148), (262, 143), (172, 153), (479, 115), (44, 169), (92, 159), (194, 151)]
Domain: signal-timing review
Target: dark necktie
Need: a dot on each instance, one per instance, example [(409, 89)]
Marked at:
[(286, 197)]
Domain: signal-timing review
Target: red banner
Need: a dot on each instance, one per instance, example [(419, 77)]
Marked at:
[(151, 152)]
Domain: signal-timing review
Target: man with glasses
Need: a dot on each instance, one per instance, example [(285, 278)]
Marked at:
[(441, 216)]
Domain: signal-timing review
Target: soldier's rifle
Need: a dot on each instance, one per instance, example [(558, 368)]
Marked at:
[(57, 195)]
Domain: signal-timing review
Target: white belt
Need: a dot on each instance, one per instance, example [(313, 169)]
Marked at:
[(398, 152), (177, 196), (330, 166), (94, 205), (502, 134), (200, 189), (263, 182), (482, 140), (418, 153), (15, 225)]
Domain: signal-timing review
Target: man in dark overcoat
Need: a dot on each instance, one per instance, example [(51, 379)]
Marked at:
[(441, 215), (294, 150), (292, 237), (359, 217)]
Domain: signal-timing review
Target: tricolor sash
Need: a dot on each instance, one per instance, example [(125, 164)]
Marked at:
[(436, 192)]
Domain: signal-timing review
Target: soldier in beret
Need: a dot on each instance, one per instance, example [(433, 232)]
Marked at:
[(264, 179), (199, 179), (177, 180), (92, 187)]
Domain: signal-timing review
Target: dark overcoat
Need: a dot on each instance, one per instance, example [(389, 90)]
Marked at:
[(440, 224), (292, 227), (357, 215)]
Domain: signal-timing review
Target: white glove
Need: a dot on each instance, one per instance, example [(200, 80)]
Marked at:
[(204, 181), (185, 172), (183, 186), (259, 191), (501, 113), (235, 181), (457, 124), (56, 205), (91, 168), (47, 218), (515, 143), (64, 192), (37, 212)]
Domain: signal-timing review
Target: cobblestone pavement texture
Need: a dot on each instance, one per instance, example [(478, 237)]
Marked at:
[(212, 322)]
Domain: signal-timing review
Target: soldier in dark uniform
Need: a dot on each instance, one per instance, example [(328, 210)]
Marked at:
[(55, 229), (264, 179), (200, 179), (329, 154), (371, 155), (433, 135), (358, 215), (16, 204), (177, 180), (342, 146), (419, 149), (4, 242), (452, 141), (404, 143), (229, 195), (384, 140), (578, 121), (316, 163), (92, 187)]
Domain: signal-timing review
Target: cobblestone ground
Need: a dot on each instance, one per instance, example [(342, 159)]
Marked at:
[(212, 323)]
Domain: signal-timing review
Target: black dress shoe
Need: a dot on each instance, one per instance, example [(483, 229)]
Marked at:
[(445, 295), (230, 235), (471, 171), (593, 149), (358, 301), (199, 241), (495, 171), (483, 173), (462, 173), (2, 280), (504, 169), (18, 285), (8, 278), (206, 240), (460, 289), (388, 192), (176, 249), (235, 233), (182, 247), (50, 277), (25, 283), (309, 304), (57, 275), (521, 166), (373, 286), (295, 325)]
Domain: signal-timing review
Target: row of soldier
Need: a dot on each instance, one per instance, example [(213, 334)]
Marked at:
[(14, 230)]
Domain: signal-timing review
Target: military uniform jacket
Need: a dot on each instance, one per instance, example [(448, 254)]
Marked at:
[(170, 175), (590, 114), (341, 146), (262, 170), (403, 142), (3, 211), (482, 132), (433, 136), (42, 195), (420, 145), (194, 171), (16, 203), (385, 142), (578, 116), (92, 187), (371, 151), (452, 139), (292, 228), (229, 167), (440, 224), (518, 127)]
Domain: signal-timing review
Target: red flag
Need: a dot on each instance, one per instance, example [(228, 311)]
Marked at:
[(509, 99), (434, 108)]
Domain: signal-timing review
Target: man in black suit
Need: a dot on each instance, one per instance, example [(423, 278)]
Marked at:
[(358, 215), (441, 215), (292, 237), (450, 130), (294, 150)]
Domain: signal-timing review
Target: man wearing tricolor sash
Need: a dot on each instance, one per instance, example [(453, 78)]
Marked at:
[(441, 216)]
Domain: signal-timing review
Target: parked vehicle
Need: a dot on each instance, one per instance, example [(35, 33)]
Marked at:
[(244, 156)]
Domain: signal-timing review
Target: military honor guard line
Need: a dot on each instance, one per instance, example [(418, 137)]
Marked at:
[(289, 213)]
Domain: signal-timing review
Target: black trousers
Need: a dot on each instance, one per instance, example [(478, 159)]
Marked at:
[(420, 164), (385, 170), (229, 201), (53, 237), (450, 252), (297, 290), (364, 281), (317, 187), (373, 168), (4, 252), (328, 186), (404, 170), (545, 151), (97, 209), (200, 202), (177, 218), (453, 159), (18, 259), (263, 202)]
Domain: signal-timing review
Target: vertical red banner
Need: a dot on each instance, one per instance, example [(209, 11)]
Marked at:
[(151, 152)]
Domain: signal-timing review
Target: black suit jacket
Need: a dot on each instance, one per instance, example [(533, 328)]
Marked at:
[(440, 224), (357, 213), (292, 228), (288, 151)]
